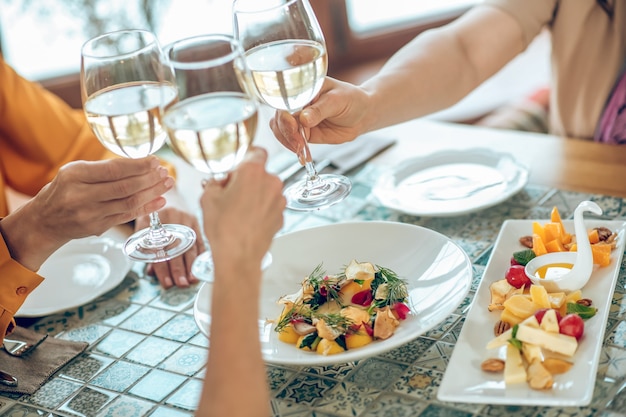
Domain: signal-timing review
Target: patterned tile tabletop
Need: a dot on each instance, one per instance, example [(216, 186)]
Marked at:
[(146, 356)]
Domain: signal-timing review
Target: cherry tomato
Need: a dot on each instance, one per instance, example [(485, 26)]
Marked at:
[(572, 325), (540, 313), (516, 276)]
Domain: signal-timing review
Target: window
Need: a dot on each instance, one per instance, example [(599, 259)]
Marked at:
[(359, 32), (370, 15), (43, 39)]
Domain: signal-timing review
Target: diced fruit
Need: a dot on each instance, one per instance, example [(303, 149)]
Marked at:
[(572, 325), (288, 335), (500, 290), (358, 339), (508, 317), (538, 376), (539, 295), (516, 276), (521, 306), (555, 245), (556, 299), (538, 230), (539, 246), (557, 366), (328, 347)]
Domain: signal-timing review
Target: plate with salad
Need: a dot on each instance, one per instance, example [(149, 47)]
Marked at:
[(421, 277)]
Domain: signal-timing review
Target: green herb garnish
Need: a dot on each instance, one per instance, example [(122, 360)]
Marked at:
[(583, 311), (514, 340), (524, 256)]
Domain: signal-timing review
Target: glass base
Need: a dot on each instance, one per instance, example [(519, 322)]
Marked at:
[(152, 246), (326, 190), (202, 267)]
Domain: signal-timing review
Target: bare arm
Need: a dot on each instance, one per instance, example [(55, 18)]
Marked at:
[(84, 199), (240, 220), (432, 72), (443, 65)]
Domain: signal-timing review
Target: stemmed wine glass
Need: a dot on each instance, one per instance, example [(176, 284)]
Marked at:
[(286, 55), (124, 86), (214, 120)]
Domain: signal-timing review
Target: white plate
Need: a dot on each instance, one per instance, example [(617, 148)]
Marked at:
[(438, 272), (465, 382), (450, 183), (77, 273)]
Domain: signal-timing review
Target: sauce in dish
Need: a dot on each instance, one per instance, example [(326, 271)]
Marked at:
[(554, 270)]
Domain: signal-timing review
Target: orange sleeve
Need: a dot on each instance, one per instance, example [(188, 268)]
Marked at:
[(39, 133), (16, 283)]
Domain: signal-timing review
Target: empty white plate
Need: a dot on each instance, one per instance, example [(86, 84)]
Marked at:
[(451, 182), (77, 273)]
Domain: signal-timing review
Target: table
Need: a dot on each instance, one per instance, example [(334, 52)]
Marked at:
[(147, 356)]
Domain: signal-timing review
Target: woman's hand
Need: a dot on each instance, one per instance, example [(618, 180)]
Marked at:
[(84, 199), (242, 215), (177, 271), (338, 114)]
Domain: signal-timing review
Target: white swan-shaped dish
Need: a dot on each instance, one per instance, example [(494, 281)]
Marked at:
[(582, 260)]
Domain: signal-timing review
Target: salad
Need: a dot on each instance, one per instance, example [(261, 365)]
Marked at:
[(330, 314)]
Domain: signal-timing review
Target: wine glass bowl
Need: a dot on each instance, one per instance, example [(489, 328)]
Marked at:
[(124, 87), (287, 59), (214, 120)]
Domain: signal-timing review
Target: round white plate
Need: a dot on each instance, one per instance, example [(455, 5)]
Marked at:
[(450, 183), (437, 270), (77, 273)]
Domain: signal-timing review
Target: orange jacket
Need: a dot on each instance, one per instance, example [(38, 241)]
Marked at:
[(38, 134)]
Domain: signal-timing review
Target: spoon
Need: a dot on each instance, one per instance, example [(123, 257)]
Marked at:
[(582, 260)]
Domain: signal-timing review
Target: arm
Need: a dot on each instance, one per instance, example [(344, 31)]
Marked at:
[(86, 198), (240, 220), (432, 72)]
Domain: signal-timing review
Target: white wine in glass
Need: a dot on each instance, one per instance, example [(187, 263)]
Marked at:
[(124, 87), (286, 55), (214, 120)]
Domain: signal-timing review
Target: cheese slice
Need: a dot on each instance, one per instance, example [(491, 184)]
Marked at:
[(531, 352), (549, 323), (555, 342), (501, 340), (514, 370)]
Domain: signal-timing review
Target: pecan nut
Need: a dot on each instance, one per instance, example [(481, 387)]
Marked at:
[(492, 365), (500, 327)]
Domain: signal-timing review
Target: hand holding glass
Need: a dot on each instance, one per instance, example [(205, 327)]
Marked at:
[(214, 120), (286, 55), (124, 86)]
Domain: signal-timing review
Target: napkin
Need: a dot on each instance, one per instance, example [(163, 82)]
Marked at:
[(349, 155), (345, 156), (36, 367)]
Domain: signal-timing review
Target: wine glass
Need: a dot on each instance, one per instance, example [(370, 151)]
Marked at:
[(286, 55), (124, 86), (214, 120)]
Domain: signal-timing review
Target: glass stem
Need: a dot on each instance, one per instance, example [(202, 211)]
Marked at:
[(158, 236), (304, 155)]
